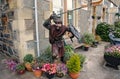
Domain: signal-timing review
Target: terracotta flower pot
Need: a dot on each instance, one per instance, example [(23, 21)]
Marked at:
[(74, 75), (37, 73), (28, 66)]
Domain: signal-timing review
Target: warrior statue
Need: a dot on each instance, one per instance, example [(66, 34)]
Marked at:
[(56, 32)]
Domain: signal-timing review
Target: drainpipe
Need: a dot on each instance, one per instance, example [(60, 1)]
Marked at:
[(36, 25)]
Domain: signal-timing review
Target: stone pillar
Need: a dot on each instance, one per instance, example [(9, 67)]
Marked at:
[(65, 9), (24, 36)]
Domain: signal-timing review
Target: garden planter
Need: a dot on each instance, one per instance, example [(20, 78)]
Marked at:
[(49, 76), (74, 75), (21, 72), (37, 73), (94, 44), (28, 66), (113, 61), (60, 75), (85, 48)]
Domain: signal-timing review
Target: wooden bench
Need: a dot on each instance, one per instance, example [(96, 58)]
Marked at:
[(75, 44)]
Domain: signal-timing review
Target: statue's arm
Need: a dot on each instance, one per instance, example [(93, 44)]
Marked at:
[(47, 24)]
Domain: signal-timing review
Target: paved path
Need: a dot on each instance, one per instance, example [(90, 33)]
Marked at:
[(93, 68)]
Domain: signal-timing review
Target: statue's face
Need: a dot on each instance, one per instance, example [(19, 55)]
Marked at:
[(58, 24)]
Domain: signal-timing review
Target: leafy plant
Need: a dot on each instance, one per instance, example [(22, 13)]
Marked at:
[(36, 66), (69, 51), (102, 30), (82, 59), (117, 29), (69, 48), (67, 56), (88, 38), (73, 64), (28, 58), (46, 56), (117, 24), (20, 67)]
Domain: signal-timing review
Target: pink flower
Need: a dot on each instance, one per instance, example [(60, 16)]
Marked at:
[(49, 68), (113, 51)]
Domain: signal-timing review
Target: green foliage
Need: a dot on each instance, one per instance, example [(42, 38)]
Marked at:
[(73, 64), (68, 48), (82, 59), (67, 56), (117, 29), (117, 32), (88, 38), (20, 67), (46, 56), (69, 51), (117, 24), (28, 58), (103, 30), (115, 54)]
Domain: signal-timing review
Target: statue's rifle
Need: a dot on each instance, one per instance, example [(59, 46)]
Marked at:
[(72, 10)]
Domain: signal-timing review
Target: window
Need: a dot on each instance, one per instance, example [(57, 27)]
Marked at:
[(57, 6), (70, 14)]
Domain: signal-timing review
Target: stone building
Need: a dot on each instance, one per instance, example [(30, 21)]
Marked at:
[(21, 29)]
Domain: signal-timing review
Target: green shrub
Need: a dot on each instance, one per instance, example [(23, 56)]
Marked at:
[(82, 59), (20, 67), (68, 48), (102, 30), (117, 24), (117, 32), (117, 29), (28, 58), (46, 56), (88, 38), (69, 51), (73, 64)]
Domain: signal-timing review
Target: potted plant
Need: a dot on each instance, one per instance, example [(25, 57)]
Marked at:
[(88, 39), (11, 64), (73, 65), (20, 68), (49, 69), (61, 70), (112, 56), (28, 60), (46, 56), (36, 68)]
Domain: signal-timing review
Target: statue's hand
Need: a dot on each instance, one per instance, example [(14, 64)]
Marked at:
[(51, 17)]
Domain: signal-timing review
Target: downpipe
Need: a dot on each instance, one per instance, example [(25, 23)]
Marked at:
[(36, 26)]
